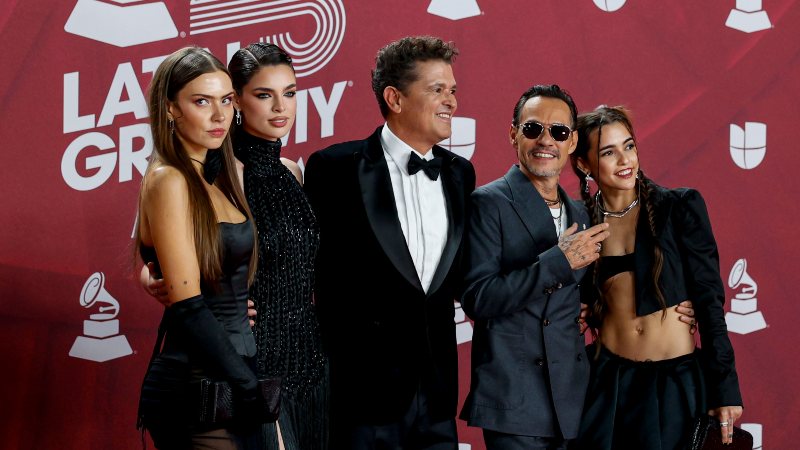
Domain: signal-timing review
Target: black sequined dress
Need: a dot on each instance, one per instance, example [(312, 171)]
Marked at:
[(286, 331)]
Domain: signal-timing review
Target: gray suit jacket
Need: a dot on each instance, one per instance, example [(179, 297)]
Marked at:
[(529, 367)]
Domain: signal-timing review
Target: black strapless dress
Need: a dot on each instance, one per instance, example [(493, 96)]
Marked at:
[(287, 331), (168, 401)]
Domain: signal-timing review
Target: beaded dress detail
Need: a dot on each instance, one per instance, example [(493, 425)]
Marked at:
[(286, 331)]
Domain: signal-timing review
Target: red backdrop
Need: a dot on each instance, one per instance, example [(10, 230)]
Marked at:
[(75, 135)]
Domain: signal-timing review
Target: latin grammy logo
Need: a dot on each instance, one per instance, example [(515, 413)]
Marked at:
[(748, 17), (101, 340), (463, 326), (454, 9), (744, 316), (462, 140), (748, 145)]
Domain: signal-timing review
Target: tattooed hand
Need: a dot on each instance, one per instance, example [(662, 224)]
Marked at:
[(582, 249)]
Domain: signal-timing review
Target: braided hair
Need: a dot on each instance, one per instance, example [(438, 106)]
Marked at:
[(588, 123)]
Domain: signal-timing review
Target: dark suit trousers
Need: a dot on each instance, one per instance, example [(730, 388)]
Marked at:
[(501, 441), (416, 431)]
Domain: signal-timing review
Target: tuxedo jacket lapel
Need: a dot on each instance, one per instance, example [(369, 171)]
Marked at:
[(534, 214), (378, 197)]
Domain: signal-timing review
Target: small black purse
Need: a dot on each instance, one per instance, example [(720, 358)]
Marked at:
[(218, 408), (706, 435)]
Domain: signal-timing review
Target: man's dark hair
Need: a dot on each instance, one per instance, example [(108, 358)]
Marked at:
[(396, 63), (546, 90)]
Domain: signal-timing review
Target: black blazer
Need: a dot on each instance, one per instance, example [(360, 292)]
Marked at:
[(690, 271), (385, 336), (529, 367)]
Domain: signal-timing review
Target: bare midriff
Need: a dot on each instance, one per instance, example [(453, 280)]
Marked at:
[(654, 337)]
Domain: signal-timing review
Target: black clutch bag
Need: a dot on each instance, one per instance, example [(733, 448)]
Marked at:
[(706, 435), (219, 408)]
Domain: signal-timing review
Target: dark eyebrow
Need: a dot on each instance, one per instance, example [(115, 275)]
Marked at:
[(211, 96), (612, 146), (266, 89)]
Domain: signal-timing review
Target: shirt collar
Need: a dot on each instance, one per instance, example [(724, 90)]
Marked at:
[(398, 150)]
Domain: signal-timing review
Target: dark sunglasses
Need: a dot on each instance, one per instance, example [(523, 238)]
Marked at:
[(559, 132)]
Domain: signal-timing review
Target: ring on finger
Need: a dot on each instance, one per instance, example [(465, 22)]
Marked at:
[(730, 435), (599, 247), (723, 424)]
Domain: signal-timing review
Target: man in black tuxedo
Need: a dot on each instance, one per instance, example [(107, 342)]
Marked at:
[(392, 210), (528, 246)]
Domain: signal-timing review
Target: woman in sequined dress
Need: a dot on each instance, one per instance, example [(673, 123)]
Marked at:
[(286, 328)]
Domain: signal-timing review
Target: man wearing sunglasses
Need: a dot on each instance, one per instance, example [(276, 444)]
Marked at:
[(528, 246)]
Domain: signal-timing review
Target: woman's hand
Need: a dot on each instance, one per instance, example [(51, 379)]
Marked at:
[(726, 415), (686, 311), (155, 287)]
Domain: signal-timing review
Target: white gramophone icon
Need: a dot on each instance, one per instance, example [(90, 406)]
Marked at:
[(748, 16), (744, 316), (101, 340), (454, 9)]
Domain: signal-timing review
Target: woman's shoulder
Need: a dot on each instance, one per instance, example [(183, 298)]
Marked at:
[(164, 179), (294, 168)]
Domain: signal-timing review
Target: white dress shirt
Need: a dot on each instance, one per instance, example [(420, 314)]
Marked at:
[(421, 207)]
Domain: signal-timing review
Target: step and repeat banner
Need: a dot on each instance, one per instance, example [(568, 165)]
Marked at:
[(714, 88)]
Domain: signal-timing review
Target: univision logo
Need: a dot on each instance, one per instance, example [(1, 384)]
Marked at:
[(462, 139), (748, 146), (126, 23)]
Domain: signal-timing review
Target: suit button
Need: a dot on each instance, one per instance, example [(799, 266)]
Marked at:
[(559, 286), (546, 322), (548, 291), (539, 362)]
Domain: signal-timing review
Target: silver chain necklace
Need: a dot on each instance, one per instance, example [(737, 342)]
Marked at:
[(558, 219), (598, 199)]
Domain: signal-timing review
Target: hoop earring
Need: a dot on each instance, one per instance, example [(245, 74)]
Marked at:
[(238, 117), (587, 179), (171, 126)]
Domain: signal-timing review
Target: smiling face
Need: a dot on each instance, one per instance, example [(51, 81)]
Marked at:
[(543, 157), (268, 102), (616, 162), (202, 112), (421, 115)]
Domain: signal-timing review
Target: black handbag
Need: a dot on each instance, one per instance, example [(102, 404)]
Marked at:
[(706, 435), (218, 407)]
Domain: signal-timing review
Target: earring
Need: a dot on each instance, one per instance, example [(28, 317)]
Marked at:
[(238, 117), (587, 179), (171, 126)]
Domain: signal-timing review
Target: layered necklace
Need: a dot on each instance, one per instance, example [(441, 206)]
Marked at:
[(556, 219), (598, 199)]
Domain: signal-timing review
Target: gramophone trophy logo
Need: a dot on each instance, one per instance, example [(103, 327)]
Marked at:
[(748, 16), (101, 340), (744, 316), (454, 9)]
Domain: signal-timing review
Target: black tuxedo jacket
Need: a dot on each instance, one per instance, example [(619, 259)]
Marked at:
[(529, 367), (385, 336)]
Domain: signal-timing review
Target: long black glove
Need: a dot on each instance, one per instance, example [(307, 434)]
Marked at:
[(196, 325)]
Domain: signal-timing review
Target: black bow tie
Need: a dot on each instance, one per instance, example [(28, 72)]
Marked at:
[(431, 168)]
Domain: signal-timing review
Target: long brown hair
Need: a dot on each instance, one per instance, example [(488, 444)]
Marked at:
[(587, 124), (175, 72)]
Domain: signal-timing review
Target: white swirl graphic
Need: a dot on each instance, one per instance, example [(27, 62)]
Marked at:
[(307, 57)]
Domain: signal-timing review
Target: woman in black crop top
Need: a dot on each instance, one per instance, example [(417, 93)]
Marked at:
[(648, 380), (195, 227)]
